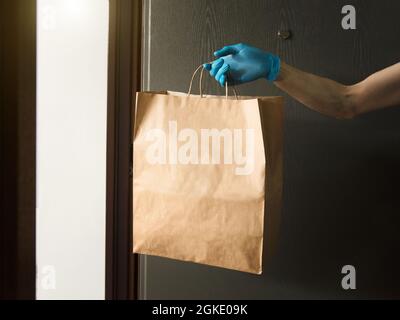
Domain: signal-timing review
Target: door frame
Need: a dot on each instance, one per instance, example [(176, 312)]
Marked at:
[(18, 137), (124, 80), (18, 149)]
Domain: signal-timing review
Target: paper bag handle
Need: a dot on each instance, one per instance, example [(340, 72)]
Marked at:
[(201, 84)]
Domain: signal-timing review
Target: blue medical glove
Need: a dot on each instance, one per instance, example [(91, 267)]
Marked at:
[(241, 63)]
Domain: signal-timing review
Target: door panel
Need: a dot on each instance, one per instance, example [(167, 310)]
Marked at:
[(340, 203)]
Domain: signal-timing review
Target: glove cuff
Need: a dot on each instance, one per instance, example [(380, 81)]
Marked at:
[(275, 67)]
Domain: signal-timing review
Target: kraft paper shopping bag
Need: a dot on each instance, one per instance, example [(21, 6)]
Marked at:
[(203, 168)]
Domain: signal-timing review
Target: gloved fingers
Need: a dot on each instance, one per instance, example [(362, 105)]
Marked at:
[(207, 66), (221, 74), (227, 50), (215, 66), (222, 80)]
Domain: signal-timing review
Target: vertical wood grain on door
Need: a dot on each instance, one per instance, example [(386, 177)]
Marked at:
[(340, 204)]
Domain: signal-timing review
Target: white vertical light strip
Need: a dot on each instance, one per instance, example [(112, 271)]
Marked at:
[(72, 53)]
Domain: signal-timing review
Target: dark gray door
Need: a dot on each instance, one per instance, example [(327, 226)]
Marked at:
[(341, 178)]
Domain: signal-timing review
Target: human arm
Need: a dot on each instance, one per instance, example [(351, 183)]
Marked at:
[(380, 90), (241, 63)]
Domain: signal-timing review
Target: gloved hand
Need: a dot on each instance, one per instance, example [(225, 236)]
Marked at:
[(241, 63)]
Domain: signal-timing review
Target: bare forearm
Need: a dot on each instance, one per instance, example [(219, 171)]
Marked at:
[(380, 90), (331, 98), (320, 94)]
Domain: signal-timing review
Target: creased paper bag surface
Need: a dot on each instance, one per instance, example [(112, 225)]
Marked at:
[(199, 177)]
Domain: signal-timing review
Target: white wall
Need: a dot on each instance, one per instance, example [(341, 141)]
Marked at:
[(71, 148)]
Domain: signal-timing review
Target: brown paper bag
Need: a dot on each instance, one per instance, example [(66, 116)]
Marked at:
[(199, 177)]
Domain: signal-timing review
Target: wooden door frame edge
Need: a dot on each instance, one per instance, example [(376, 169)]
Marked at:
[(124, 80), (18, 149)]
